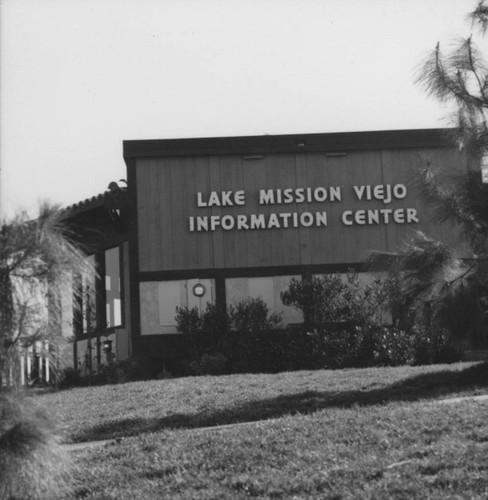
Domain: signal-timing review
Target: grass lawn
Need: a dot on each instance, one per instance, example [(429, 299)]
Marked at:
[(373, 433)]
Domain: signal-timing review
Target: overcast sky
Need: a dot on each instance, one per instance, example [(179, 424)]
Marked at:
[(80, 76)]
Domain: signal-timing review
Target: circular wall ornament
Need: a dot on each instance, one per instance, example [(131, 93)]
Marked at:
[(199, 290)]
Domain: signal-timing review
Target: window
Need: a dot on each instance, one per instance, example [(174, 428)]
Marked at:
[(267, 288), (99, 301), (113, 301), (159, 300)]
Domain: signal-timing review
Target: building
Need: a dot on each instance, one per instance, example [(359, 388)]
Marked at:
[(221, 219)]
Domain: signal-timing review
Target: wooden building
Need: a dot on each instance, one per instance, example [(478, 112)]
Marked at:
[(221, 219)]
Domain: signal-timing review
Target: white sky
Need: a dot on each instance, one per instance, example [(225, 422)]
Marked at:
[(77, 77)]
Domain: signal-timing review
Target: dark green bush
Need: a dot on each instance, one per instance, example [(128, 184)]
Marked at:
[(127, 370), (209, 364), (320, 299), (70, 377), (348, 325)]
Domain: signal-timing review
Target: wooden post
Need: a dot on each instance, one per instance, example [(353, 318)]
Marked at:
[(22, 368), (46, 350), (29, 363)]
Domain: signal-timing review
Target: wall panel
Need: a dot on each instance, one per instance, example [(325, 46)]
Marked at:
[(167, 193)]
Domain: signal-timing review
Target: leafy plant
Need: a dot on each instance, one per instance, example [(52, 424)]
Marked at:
[(252, 315), (318, 298)]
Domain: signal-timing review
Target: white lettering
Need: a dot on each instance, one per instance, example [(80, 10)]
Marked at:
[(224, 199), (284, 218), (380, 216), (227, 222), (299, 196), (320, 194), (257, 221), (200, 202), (321, 219), (266, 197), (412, 215), (346, 218), (273, 221), (400, 191), (213, 199), (360, 217), (239, 197), (335, 193), (359, 191), (288, 196), (242, 222), (373, 217), (399, 215), (214, 222), (386, 212), (202, 223)]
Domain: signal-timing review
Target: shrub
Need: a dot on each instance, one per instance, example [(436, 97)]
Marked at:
[(127, 370), (319, 299), (334, 299), (33, 465), (348, 325), (393, 347), (252, 315), (221, 341), (209, 364), (205, 332), (70, 377)]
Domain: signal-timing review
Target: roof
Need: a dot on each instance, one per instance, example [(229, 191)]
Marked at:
[(110, 199), (99, 222), (331, 142)]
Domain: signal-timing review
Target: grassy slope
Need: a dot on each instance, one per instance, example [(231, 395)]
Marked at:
[(130, 409), (398, 450), (342, 434)]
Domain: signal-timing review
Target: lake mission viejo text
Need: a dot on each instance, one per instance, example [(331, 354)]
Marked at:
[(386, 193)]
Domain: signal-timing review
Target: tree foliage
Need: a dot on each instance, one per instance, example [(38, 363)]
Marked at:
[(37, 259), (443, 285)]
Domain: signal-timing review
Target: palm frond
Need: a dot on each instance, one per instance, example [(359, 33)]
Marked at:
[(38, 258)]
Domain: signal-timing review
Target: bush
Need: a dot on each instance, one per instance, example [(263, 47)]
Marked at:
[(346, 326), (70, 377), (252, 315), (223, 341), (127, 370), (209, 364), (334, 299), (33, 465), (319, 299)]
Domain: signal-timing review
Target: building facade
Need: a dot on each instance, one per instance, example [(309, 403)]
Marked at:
[(221, 219)]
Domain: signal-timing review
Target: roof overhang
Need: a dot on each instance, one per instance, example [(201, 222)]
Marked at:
[(294, 143)]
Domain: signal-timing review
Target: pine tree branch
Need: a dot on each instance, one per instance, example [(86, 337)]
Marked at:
[(474, 70), (479, 17)]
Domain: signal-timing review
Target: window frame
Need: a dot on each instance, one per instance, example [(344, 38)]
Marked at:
[(79, 307)]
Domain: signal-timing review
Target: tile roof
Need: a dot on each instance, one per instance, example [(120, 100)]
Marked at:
[(109, 197)]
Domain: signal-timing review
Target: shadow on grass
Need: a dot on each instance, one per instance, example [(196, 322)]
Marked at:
[(421, 387)]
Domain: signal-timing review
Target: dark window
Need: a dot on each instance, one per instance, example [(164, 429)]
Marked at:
[(113, 298), (100, 303)]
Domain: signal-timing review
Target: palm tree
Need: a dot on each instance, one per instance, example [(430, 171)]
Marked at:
[(37, 260)]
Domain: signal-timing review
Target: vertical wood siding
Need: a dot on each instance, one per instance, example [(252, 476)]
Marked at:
[(167, 196)]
